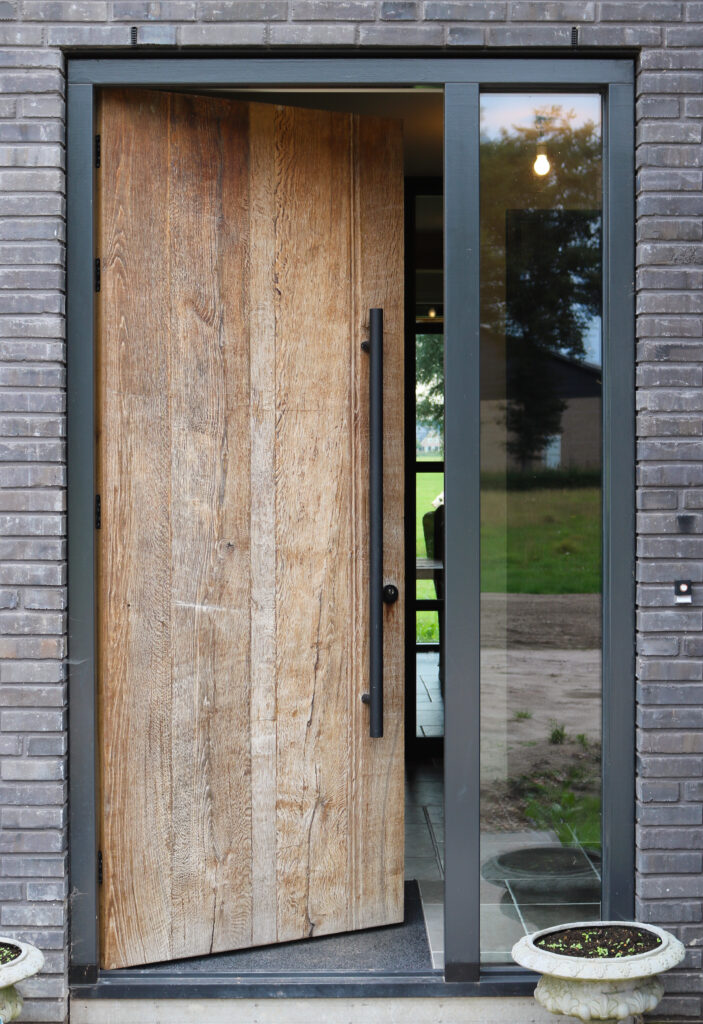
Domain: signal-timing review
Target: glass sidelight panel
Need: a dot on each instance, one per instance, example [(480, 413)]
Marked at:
[(541, 466)]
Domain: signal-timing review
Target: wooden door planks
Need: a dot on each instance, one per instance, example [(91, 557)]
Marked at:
[(233, 559)]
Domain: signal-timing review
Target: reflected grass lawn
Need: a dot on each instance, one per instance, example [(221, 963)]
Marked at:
[(541, 541)]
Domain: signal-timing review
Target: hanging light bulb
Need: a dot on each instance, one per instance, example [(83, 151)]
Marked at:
[(541, 166), (432, 312)]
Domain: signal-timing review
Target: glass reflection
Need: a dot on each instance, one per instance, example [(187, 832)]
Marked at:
[(541, 513)]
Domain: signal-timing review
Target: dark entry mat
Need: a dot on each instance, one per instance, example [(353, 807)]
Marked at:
[(398, 947)]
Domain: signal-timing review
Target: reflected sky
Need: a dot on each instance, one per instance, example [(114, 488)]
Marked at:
[(508, 110)]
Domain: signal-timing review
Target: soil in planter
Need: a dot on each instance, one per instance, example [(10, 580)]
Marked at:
[(599, 943), (8, 952)]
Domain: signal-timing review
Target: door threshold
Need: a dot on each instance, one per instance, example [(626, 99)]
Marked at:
[(143, 983)]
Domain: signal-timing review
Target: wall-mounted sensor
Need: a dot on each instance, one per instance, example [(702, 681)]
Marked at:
[(682, 591)]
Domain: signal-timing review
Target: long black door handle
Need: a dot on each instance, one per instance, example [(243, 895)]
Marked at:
[(374, 698)]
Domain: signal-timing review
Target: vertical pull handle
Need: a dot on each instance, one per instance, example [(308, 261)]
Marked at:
[(374, 698)]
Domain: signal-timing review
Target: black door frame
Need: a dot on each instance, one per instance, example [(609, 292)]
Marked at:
[(462, 79)]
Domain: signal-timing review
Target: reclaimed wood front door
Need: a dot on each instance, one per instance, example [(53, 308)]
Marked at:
[(243, 801)]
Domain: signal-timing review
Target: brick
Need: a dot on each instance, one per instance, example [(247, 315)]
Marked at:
[(674, 476), (41, 106), (244, 10), (663, 741), (46, 745), (31, 81), (399, 10), (458, 10), (669, 547), (658, 106), (684, 766), (620, 35), (20, 35), (64, 10), (668, 670), (684, 814), (465, 35), (332, 10), (222, 35), (671, 400), (656, 180), (664, 913), (673, 230), (32, 721), (31, 842), (693, 106), (34, 476), (36, 914), (32, 696), (693, 791), (88, 35), (667, 82), (40, 985), (654, 645), (401, 35), (21, 623), (40, 600), (32, 59), (32, 793), (671, 131), (669, 863), (155, 10), (660, 499), (623, 10), (46, 574), (683, 60), (671, 693), (156, 35), (10, 746), (40, 892), (40, 549), (41, 769), (25, 449), (9, 599), (660, 450), (29, 647), (654, 790), (532, 35), (34, 817), (670, 620), (673, 888), (31, 672), (552, 10), (676, 155), (660, 522), (688, 35), (668, 426), (11, 891), (33, 501)]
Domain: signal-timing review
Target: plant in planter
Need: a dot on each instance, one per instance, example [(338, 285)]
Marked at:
[(599, 970), (18, 960)]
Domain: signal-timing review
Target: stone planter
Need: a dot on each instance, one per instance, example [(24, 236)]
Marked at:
[(29, 962), (599, 989)]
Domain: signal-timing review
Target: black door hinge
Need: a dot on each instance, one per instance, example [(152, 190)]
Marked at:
[(100, 867), (98, 512), (97, 275), (97, 150)]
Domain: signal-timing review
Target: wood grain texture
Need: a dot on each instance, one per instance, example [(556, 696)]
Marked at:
[(243, 801)]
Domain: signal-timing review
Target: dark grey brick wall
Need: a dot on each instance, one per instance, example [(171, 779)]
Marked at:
[(670, 399)]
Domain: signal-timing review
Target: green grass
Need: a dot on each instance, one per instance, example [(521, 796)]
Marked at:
[(538, 541)]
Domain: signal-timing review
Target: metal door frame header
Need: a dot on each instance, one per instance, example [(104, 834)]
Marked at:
[(580, 71), (462, 79)]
